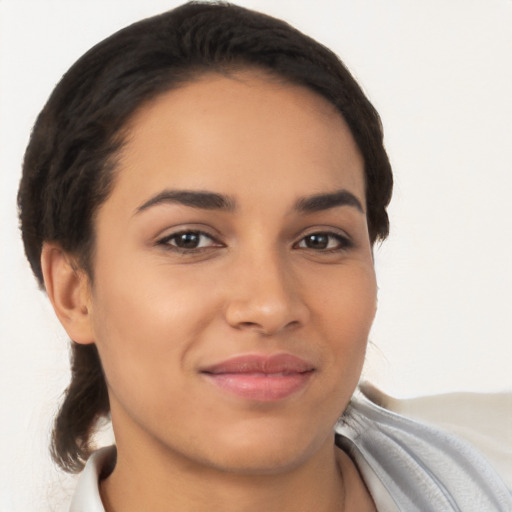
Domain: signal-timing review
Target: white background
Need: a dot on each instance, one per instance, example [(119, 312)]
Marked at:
[(440, 74)]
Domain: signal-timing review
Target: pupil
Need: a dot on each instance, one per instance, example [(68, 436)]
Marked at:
[(317, 241), (188, 240)]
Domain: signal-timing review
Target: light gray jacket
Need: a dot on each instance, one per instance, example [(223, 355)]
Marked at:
[(406, 465)]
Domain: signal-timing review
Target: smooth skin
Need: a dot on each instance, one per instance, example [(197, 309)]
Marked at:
[(184, 281)]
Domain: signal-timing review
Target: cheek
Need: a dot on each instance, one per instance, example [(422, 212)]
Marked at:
[(146, 322), (344, 315), (348, 300)]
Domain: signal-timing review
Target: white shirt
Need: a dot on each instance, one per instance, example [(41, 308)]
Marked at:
[(407, 466)]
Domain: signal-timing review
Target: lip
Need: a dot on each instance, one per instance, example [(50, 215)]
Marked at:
[(260, 378)]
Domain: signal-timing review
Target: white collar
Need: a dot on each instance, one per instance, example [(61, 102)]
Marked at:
[(406, 465), (87, 494)]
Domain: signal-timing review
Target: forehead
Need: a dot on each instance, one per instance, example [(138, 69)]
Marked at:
[(244, 132)]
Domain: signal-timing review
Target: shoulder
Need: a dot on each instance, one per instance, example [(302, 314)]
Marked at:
[(417, 467)]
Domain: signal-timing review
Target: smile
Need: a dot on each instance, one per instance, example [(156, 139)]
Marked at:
[(261, 378)]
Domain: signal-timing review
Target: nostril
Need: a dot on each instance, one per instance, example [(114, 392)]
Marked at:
[(266, 310), (250, 324), (267, 329)]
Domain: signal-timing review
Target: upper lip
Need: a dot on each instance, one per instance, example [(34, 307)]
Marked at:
[(282, 363)]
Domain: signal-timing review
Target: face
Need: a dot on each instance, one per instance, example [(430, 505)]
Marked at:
[(234, 286)]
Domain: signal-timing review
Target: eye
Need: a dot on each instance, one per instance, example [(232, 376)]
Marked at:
[(324, 241), (189, 240)]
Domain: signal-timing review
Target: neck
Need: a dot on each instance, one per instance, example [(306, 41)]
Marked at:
[(327, 483), (151, 475), (138, 484)]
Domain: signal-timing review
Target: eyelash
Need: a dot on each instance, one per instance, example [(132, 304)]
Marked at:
[(166, 241), (342, 243)]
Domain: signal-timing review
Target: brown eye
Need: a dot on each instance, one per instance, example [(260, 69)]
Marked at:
[(188, 241), (317, 241), (324, 242)]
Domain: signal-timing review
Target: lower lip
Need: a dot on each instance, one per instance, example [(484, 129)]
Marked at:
[(260, 387)]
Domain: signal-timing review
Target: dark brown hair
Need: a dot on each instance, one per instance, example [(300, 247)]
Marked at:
[(70, 162)]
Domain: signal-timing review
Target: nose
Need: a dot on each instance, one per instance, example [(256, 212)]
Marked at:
[(264, 297)]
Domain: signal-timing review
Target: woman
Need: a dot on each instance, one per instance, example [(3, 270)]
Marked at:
[(200, 199)]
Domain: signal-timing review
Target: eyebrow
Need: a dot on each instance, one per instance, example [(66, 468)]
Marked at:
[(213, 201), (192, 198), (321, 202)]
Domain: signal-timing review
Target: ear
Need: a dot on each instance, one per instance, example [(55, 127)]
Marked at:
[(68, 289)]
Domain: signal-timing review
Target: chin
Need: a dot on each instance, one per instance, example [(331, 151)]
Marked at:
[(261, 461), (267, 450)]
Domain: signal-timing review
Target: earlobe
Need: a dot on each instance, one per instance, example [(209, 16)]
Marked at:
[(68, 289)]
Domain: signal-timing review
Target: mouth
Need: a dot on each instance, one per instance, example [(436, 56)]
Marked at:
[(259, 377)]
